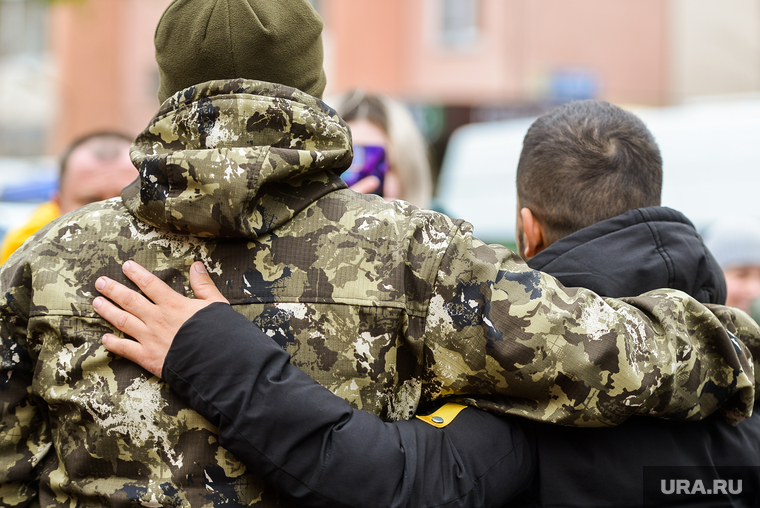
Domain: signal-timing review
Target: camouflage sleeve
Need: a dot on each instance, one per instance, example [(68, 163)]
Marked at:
[(741, 325), (516, 341), (24, 435)]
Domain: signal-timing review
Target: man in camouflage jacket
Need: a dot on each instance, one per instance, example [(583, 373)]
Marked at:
[(385, 304)]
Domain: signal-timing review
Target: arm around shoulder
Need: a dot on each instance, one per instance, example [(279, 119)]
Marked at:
[(568, 356), (306, 441)]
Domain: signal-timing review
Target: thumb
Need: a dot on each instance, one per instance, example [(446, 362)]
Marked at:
[(202, 285)]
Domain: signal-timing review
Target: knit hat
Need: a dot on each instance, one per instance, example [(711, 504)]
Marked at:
[(277, 41), (735, 241)]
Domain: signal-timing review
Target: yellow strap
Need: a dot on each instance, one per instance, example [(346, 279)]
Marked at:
[(444, 415)]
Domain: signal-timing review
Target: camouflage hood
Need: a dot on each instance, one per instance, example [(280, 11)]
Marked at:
[(279, 150)]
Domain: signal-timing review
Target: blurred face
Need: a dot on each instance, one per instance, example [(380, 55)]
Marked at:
[(88, 178), (364, 132), (742, 285)]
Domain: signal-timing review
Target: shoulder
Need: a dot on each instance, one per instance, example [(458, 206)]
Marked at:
[(394, 220), (66, 251)]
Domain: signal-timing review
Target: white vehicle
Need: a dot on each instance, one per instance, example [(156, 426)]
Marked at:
[(711, 165)]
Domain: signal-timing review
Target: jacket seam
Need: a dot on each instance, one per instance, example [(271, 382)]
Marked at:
[(346, 301), (435, 269)]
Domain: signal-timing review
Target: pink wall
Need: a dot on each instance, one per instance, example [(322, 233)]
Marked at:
[(393, 47), (105, 65), (624, 42), (489, 70), (108, 77), (368, 44)]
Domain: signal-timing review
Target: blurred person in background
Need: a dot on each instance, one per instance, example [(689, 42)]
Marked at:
[(93, 168), (755, 310), (379, 121), (735, 243), (589, 185)]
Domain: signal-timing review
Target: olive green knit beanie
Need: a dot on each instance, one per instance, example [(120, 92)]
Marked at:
[(279, 41)]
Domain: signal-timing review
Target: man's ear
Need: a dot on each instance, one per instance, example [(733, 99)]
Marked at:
[(533, 234)]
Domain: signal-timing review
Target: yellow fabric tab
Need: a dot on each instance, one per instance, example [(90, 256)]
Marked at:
[(444, 415)]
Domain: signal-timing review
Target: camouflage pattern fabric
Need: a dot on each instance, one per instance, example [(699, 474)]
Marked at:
[(385, 304)]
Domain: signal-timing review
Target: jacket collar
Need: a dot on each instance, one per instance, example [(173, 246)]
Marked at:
[(638, 251)]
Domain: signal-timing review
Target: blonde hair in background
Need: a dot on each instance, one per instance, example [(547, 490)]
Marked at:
[(407, 150)]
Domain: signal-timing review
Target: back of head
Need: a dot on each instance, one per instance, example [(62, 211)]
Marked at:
[(585, 162), (104, 145), (275, 41)]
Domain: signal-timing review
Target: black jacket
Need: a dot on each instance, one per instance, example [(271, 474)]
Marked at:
[(628, 255), (638, 251)]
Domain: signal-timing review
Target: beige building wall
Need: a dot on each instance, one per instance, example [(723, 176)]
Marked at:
[(622, 43), (714, 47), (107, 76), (489, 67), (647, 52), (398, 47)]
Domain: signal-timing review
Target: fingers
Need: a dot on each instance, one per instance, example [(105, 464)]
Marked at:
[(127, 348), (202, 285), (130, 350), (126, 298), (153, 324), (366, 185), (120, 319), (155, 288)]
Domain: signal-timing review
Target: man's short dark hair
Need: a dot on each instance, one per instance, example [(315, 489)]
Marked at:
[(585, 162), (107, 150)]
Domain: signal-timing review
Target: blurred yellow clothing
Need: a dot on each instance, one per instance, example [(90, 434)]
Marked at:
[(43, 214)]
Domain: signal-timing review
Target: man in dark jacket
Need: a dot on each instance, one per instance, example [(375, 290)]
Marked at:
[(588, 186), (621, 241)]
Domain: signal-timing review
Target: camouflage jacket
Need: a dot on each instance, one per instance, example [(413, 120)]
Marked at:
[(385, 304)]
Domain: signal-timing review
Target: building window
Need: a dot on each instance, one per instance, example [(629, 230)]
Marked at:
[(460, 23)]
